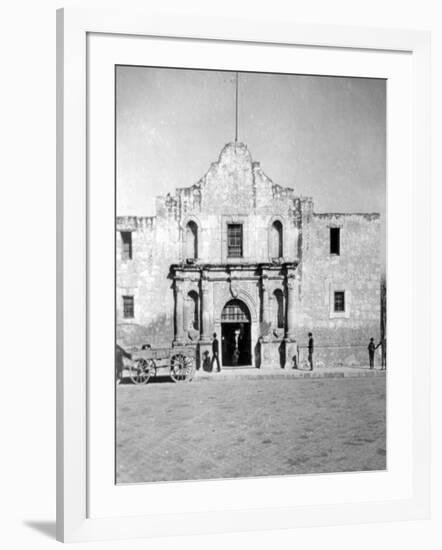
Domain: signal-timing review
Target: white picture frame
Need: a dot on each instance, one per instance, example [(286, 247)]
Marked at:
[(82, 517)]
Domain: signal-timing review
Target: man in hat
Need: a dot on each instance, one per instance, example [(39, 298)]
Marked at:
[(215, 352), (371, 349)]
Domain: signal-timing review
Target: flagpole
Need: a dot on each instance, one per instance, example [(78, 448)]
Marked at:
[(236, 109)]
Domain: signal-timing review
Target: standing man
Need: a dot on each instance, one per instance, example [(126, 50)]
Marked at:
[(215, 351), (371, 350), (310, 350), (295, 357)]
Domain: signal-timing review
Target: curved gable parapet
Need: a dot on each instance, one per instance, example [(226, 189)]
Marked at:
[(177, 204), (229, 183), (280, 192), (235, 183), (235, 151)]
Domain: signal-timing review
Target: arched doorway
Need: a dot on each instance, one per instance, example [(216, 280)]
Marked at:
[(235, 334)]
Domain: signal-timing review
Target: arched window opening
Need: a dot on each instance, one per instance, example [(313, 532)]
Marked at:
[(191, 240), (279, 310), (276, 241), (193, 310), (235, 311)]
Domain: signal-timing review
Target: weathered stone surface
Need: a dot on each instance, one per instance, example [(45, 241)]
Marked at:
[(357, 271), (167, 285)]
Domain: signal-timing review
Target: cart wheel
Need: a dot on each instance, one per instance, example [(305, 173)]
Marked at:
[(141, 371), (181, 368), (190, 366)]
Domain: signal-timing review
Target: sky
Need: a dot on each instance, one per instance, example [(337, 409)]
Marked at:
[(323, 136)]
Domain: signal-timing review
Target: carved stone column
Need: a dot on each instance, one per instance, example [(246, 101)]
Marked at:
[(179, 312), (205, 308), (290, 347), (292, 296), (187, 320), (271, 316), (265, 301)]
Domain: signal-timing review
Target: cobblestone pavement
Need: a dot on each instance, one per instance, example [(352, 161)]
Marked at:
[(228, 429)]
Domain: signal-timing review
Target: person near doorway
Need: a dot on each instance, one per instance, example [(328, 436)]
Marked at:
[(295, 357), (310, 350), (371, 349), (236, 347), (215, 352)]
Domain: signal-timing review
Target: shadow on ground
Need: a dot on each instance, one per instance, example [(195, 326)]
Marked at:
[(45, 527), (152, 380)]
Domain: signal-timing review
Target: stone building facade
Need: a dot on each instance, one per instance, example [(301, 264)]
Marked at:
[(240, 256)]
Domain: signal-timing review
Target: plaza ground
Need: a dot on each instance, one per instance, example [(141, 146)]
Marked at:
[(231, 428)]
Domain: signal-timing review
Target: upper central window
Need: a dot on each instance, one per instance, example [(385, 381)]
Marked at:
[(339, 301), (234, 240)]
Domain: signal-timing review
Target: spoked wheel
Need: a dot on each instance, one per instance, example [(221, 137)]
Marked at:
[(182, 368), (142, 370), (190, 366)]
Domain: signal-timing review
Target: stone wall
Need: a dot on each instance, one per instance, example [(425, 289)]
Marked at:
[(146, 278), (236, 190), (342, 337)]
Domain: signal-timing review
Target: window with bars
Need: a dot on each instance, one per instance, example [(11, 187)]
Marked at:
[(235, 311), (128, 307), (339, 302), (126, 239), (234, 240)]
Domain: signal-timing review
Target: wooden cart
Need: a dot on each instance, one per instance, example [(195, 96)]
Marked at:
[(178, 362)]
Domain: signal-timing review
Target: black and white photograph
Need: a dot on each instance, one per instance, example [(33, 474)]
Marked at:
[(250, 270), (222, 277)]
